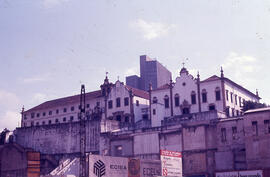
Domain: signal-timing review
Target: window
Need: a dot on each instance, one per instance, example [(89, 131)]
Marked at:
[(72, 108), (38, 114), (154, 111), (118, 150), (56, 121), (50, 112), (266, 126), (227, 95), (239, 101), (204, 96), (32, 115), (126, 119), (193, 97), (65, 109), (218, 94), (43, 122), (137, 103), (71, 118), (32, 123), (126, 101), (64, 119), (118, 102), (234, 132), (110, 104), (155, 100), (212, 107), (166, 101), (228, 111), (232, 112), (57, 111), (98, 103), (223, 135), (50, 122), (37, 124), (235, 99), (231, 97), (185, 110), (176, 100), (88, 106), (44, 113), (237, 112), (255, 128), (118, 118)]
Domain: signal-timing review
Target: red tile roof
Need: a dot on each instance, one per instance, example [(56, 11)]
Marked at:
[(212, 78), (65, 100), (76, 99), (138, 92)]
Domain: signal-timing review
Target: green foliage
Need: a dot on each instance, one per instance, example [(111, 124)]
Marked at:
[(252, 105)]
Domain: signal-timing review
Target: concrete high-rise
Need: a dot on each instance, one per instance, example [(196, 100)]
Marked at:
[(151, 71)]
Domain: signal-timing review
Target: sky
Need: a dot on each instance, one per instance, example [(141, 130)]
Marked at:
[(48, 48)]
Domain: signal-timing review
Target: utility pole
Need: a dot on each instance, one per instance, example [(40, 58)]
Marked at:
[(82, 133)]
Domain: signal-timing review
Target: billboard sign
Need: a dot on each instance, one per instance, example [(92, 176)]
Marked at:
[(106, 166), (144, 168), (171, 163), (250, 173)]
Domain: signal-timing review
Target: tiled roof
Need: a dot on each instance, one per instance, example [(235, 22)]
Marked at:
[(212, 78), (138, 92), (65, 100)]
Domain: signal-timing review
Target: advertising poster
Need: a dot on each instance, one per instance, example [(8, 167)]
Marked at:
[(171, 163), (144, 168), (250, 173), (150, 168), (106, 166)]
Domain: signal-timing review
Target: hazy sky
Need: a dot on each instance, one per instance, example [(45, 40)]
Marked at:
[(49, 47)]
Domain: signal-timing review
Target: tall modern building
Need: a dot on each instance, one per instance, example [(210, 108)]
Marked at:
[(151, 71)]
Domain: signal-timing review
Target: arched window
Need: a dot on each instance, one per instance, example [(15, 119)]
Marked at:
[(166, 101), (155, 100), (193, 97), (217, 94), (176, 100), (204, 96)]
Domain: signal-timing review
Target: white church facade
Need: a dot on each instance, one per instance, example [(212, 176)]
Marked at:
[(189, 95)]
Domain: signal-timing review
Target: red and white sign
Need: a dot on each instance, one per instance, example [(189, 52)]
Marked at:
[(171, 163)]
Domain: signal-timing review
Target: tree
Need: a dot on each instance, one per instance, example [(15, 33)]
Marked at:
[(252, 105)]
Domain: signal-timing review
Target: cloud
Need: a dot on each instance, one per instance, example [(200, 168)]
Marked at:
[(36, 78), (53, 3), (151, 30), (242, 67), (131, 71), (10, 120), (8, 100), (9, 110)]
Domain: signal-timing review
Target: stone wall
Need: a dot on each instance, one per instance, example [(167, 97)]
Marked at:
[(59, 138)]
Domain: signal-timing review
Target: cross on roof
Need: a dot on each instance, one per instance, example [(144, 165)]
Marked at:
[(184, 62)]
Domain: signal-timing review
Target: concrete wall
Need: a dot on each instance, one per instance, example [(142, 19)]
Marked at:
[(60, 138), (257, 145), (13, 162)]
